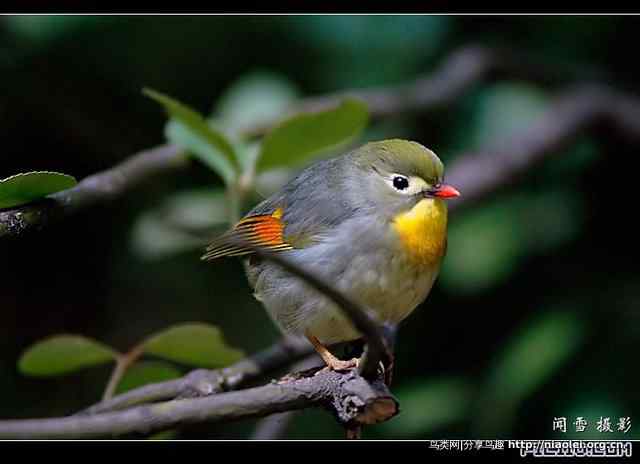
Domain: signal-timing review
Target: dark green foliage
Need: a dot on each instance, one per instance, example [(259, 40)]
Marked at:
[(26, 187)]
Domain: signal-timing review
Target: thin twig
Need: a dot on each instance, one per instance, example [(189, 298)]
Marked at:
[(123, 363)]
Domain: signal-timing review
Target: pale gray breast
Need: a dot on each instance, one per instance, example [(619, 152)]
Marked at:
[(361, 259)]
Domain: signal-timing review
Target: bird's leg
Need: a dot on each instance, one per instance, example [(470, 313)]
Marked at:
[(331, 361)]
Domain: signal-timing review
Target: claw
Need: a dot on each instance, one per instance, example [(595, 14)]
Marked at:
[(330, 360), (336, 364)]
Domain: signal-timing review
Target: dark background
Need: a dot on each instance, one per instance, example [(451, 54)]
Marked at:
[(535, 314)]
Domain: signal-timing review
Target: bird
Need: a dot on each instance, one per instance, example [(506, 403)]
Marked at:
[(371, 222)]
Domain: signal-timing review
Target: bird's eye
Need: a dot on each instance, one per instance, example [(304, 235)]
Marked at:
[(405, 185), (400, 183)]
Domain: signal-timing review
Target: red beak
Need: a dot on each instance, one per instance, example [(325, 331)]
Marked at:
[(446, 191)]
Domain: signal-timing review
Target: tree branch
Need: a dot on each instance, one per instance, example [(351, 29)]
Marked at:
[(351, 398), (275, 426), (203, 382), (459, 72), (479, 174), (100, 187)]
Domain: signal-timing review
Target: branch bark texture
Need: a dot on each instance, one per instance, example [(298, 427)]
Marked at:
[(101, 187), (351, 398), (203, 382)]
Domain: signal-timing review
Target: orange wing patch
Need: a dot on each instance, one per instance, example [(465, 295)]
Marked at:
[(264, 231)]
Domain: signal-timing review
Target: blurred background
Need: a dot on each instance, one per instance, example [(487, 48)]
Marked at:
[(535, 315)]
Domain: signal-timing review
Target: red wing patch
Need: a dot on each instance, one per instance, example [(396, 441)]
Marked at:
[(264, 231)]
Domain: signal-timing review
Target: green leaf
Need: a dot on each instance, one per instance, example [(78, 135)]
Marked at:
[(145, 372), (255, 100), (297, 139), (195, 344), (428, 406), (61, 354), (23, 188), (189, 130)]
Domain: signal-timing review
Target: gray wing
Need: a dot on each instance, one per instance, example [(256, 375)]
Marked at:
[(312, 202), (293, 218)]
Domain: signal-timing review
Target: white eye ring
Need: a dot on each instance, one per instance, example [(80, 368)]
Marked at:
[(410, 186)]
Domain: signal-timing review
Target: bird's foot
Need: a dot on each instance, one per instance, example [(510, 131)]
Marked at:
[(329, 359), (336, 364)]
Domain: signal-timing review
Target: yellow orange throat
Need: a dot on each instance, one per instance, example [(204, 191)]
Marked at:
[(423, 232)]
